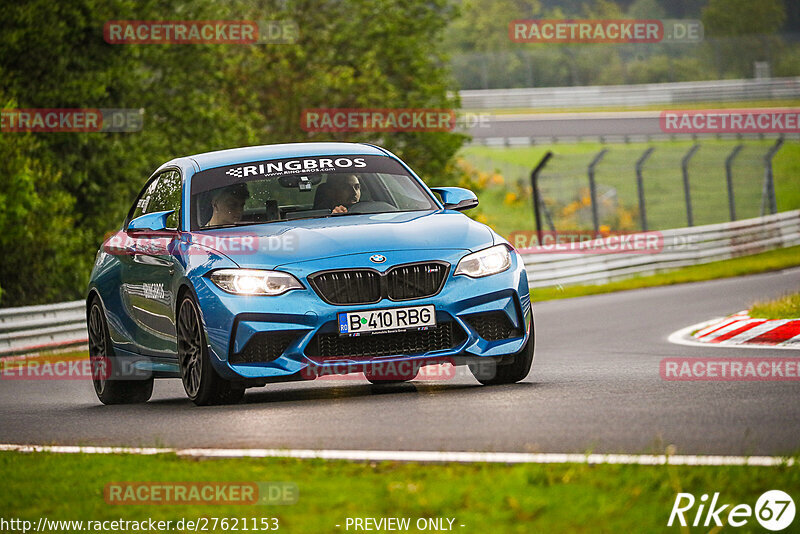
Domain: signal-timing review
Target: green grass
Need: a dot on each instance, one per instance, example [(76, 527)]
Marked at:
[(482, 497), (766, 261), (785, 307), (745, 104), (564, 178)]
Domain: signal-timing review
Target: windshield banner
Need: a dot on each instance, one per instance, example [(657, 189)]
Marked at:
[(300, 166)]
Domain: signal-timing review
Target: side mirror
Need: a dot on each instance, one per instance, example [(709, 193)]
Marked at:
[(152, 222), (456, 198)]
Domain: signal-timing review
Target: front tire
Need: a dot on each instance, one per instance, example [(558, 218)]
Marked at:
[(490, 373), (202, 383), (105, 365)]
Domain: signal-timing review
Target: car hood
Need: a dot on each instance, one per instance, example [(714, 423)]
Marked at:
[(273, 244)]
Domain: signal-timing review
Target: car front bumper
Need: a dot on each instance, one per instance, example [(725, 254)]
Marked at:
[(300, 319)]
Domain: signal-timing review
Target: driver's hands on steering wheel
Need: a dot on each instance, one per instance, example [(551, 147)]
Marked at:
[(339, 209)]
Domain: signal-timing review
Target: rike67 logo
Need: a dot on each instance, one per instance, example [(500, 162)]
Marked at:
[(774, 510)]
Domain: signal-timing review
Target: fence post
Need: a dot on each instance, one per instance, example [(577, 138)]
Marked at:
[(593, 189), (729, 180), (686, 193), (640, 185), (768, 194), (535, 193)]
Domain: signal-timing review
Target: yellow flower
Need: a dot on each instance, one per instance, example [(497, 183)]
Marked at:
[(570, 208)]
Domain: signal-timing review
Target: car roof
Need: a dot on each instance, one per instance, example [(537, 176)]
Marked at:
[(210, 160)]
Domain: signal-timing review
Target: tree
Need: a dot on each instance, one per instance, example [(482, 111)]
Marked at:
[(38, 241), (646, 9), (354, 54), (749, 32), (733, 18), (199, 97)]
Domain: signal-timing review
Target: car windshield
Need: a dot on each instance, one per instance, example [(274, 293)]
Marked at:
[(302, 188)]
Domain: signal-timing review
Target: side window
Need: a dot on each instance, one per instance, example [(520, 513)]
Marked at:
[(167, 196), (143, 202), (163, 194), (405, 193)]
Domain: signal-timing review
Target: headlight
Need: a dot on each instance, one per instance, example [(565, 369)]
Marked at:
[(254, 282), (488, 261)]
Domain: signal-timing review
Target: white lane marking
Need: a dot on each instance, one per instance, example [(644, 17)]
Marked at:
[(423, 456), (683, 337)]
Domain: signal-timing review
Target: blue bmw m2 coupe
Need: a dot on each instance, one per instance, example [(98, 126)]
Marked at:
[(287, 262)]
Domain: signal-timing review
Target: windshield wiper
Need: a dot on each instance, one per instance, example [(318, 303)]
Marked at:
[(358, 213), (233, 225)]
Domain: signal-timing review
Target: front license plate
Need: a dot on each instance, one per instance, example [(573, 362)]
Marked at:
[(387, 320)]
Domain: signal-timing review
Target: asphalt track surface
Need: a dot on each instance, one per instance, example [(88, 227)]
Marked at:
[(591, 124), (595, 386), (635, 124)]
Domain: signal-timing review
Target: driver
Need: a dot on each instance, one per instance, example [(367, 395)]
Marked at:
[(345, 191), (227, 204)]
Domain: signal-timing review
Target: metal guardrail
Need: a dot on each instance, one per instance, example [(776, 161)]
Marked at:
[(527, 141), (36, 328), (631, 95), (49, 326), (682, 247)]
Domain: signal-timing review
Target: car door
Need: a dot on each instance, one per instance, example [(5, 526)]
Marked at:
[(148, 275)]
